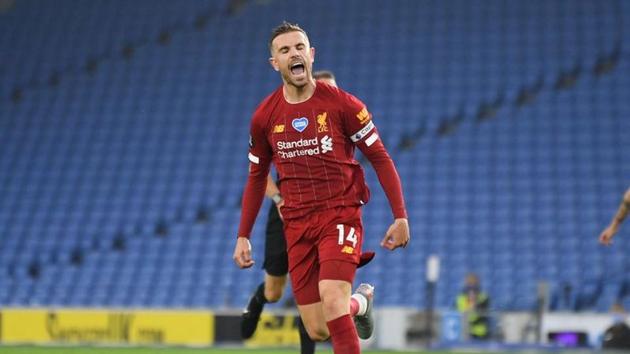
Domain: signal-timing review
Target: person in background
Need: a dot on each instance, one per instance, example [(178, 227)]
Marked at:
[(617, 336), (606, 236), (474, 304)]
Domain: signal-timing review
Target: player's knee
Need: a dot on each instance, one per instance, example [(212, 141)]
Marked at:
[(273, 293), (318, 334), (334, 304), (334, 307)]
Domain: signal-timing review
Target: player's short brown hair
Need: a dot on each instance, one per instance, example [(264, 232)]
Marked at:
[(324, 74), (284, 27)]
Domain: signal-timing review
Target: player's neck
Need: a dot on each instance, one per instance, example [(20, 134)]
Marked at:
[(294, 94)]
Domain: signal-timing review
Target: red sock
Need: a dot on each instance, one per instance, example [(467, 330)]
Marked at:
[(343, 335), (354, 307)]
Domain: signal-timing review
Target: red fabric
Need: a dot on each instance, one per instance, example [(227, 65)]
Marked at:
[(314, 251), (343, 335), (387, 176), (366, 258), (354, 307), (252, 198), (312, 146), (337, 270)]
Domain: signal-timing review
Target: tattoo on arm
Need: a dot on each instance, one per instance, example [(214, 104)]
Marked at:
[(623, 211)]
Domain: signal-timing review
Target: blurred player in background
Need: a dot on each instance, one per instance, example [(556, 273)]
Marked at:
[(607, 235), (309, 130)]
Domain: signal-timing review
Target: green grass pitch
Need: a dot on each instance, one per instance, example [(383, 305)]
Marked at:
[(90, 350)]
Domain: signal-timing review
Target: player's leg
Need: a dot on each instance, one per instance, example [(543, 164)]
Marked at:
[(342, 241), (335, 295), (338, 304), (304, 270), (314, 322), (274, 287), (309, 325), (276, 269), (307, 345), (361, 309), (269, 291), (304, 249), (339, 253)]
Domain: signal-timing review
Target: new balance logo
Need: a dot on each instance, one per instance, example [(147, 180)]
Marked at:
[(327, 144), (347, 249)]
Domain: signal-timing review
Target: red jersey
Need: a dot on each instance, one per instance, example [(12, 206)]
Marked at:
[(312, 146)]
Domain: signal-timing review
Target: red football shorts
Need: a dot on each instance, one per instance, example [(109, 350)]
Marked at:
[(323, 245)]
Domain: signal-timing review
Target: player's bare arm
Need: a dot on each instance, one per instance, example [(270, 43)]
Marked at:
[(607, 235)]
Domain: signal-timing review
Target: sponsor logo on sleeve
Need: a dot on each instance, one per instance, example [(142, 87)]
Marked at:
[(300, 124), (363, 116), (356, 137), (279, 128), (321, 121)]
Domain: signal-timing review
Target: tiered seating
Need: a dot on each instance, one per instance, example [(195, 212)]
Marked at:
[(523, 198), (120, 185)]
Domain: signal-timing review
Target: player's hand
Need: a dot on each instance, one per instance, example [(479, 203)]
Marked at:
[(243, 253), (397, 235), (606, 237)]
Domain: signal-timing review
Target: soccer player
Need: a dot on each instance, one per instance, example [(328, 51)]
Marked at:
[(607, 235), (275, 262), (309, 131)]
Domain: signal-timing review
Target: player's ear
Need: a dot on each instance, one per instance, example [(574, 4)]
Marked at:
[(274, 64), (312, 54)]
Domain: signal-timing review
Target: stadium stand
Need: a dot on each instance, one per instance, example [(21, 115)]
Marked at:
[(124, 130)]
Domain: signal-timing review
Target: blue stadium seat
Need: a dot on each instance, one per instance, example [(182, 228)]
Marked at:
[(103, 175)]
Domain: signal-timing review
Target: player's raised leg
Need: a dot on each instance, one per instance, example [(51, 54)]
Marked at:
[(361, 309)]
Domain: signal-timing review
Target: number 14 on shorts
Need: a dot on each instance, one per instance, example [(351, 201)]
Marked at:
[(351, 236)]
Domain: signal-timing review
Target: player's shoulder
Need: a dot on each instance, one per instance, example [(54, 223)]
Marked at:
[(330, 91), (338, 94), (266, 106)]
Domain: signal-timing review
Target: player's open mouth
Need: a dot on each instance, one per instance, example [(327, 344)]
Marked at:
[(297, 68)]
